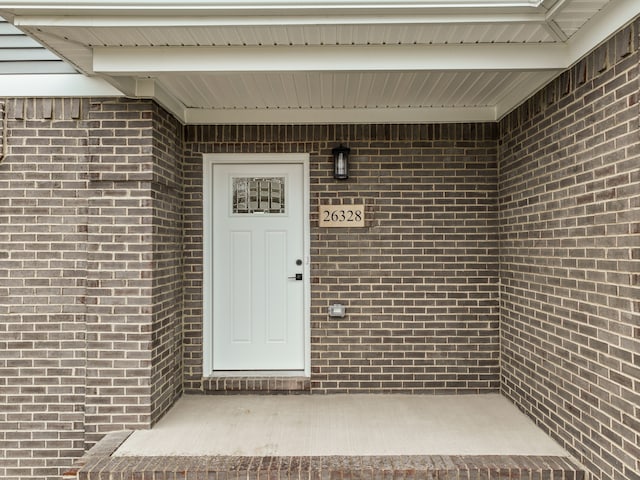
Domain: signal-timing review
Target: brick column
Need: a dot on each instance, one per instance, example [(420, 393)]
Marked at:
[(119, 268), (134, 266)]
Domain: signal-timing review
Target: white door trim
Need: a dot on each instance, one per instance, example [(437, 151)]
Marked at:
[(209, 160)]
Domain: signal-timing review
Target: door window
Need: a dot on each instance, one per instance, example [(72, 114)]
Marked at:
[(258, 195)]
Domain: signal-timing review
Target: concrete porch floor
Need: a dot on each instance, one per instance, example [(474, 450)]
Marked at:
[(345, 425)]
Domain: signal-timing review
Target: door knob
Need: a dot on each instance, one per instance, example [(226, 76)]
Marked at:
[(298, 276)]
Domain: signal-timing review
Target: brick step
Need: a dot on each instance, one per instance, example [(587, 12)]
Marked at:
[(99, 464)]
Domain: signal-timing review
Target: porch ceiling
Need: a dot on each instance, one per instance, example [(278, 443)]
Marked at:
[(305, 61)]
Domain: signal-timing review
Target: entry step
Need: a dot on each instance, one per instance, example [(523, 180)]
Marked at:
[(98, 464)]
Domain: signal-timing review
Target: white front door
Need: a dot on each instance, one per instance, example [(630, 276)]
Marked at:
[(258, 267)]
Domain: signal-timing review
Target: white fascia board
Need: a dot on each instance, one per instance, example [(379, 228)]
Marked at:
[(260, 5), (154, 60), (135, 21), (56, 85), (196, 116), (615, 15)]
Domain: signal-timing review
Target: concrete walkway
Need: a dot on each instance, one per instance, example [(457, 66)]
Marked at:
[(347, 425)]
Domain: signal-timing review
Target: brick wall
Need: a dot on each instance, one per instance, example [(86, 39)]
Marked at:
[(90, 276), (419, 282), (101, 266), (43, 274), (570, 257), (166, 375)]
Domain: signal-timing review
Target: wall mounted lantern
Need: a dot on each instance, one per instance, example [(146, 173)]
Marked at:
[(341, 162)]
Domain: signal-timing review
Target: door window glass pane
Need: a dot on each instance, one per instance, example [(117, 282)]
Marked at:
[(258, 195)]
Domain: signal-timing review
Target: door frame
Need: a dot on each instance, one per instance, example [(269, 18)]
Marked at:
[(208, 197)]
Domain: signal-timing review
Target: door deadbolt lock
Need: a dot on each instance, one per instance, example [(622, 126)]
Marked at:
[(298, 276)]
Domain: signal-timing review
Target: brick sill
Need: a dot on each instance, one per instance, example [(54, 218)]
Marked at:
[(257, 373), (263, 383)]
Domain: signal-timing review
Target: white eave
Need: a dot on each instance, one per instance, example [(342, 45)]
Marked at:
[(329, 61), (28, 69)]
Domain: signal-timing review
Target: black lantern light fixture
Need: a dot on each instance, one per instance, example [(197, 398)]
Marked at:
[(341, 162)]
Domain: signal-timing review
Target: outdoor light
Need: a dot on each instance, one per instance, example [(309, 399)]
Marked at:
[(341, 162)]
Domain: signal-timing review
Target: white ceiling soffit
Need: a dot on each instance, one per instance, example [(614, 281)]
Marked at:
[(325, 61)]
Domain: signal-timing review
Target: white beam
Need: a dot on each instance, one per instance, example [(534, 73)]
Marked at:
[(126, 85), (122, 21), (555, 31), (340, 115), (555, 9), (56, 85), (253, 6), (152, 60), (149, 88), (608, 21)]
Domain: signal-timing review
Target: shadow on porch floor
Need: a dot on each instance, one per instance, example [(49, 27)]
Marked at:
[(334, 437)]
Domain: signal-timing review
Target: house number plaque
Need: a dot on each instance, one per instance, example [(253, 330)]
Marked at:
[(341, 216)]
